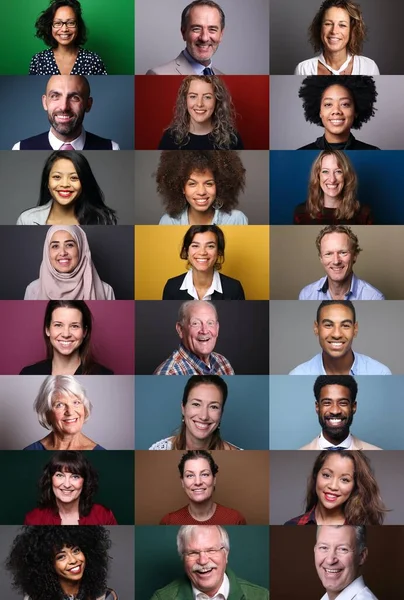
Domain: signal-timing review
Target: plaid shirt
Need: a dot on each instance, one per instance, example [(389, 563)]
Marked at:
[(185, 362), (308, 518)]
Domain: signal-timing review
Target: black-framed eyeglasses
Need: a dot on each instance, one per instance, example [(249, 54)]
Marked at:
[(70, 24)]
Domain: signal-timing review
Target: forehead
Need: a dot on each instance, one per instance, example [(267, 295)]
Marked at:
[(63, 164), (336, 92), (335, 392), (201, 175), (204, 15), (62, 236), (335, 240), (197, 464), (336, 312), (207, 392), (336, 13), (198, 86), (67, 315), (64, 12), (200, 311), (205, 238), (337, 535), (63, 396), (339, 464), (66, 84), (203, 537), (329, 162)]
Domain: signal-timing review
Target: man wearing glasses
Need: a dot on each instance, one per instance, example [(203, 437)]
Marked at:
[(205, 550)]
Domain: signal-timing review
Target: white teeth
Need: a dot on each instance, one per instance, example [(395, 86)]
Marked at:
[(335, 420), (332, 570), (336, 344), (202, 425)]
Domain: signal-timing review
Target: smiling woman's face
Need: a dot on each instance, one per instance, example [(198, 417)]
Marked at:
[(69, 564), (201, 102), (335, 481)]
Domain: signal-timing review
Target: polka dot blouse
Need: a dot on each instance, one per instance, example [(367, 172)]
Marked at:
[(87, 63)]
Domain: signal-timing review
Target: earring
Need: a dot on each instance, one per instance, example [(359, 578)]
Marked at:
[(218, 204), (182, 420)]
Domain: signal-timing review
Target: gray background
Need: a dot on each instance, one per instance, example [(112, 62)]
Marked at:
[(254, 202), (163, 396), (111, 116), (290, 470), (121, 574), (295, 262), (111, 423), (378, 419), (289, 130), (290, 20), (244, 49), (20, 176), (111, 252), (292, 341)]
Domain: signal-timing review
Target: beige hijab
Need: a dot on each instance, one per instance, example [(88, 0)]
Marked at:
[(83, 283)]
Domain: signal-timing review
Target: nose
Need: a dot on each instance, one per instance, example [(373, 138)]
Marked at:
[(68, 409), (336, 258), (204, 413), (331, 557), (198, 480), (333, 484), (66, 332), (200, 189), (203, 558), (204, 35), (336, 333), (203, 328)]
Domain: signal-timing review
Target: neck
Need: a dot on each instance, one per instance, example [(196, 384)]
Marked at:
[(66, 51), (200, 128), (324, 516), (202, 279), (338, 366), (71, 588), (68, 509), (69, 137), (338, 289), (335, 59), (336, 138), (60, 441), (202, 511), (65, 365), (60, 212), (336, 439), (196, 217), (193, 443), (331, 201)]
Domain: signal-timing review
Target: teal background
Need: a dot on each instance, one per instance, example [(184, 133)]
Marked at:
[(110, 29), (22, 471), (157, 562)]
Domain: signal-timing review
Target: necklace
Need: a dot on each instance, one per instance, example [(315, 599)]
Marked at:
[(342, 68)]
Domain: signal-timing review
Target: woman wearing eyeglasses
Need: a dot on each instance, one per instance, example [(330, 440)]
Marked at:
[(61, 27)]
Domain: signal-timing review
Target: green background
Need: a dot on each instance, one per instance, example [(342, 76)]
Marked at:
[(110, 28), (21, 472), (158, 563)]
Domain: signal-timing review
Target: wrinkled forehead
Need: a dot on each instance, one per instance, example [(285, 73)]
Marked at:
[(335, 536), (203, 538), (203, 312)]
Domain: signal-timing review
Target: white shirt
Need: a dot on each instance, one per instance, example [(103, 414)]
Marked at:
[(361, 66), (324, 444), (188, 284), (78, 143), (356, 590), (222, 593)]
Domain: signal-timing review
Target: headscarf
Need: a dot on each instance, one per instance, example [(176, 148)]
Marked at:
[(83, 283)]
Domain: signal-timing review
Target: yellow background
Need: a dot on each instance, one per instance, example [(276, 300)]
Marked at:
[(157, 250)]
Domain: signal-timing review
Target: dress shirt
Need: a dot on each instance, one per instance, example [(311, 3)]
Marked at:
[(359, 290), (188, 284), (196, 66), (325, 444), (362, 365), (185, 362), (221, 594), (234, 217), (78, 143), (357, 590)]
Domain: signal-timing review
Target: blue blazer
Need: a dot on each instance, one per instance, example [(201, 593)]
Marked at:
[(232, 289)]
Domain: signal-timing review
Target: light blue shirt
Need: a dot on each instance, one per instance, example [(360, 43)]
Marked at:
[(359, 290), (196, 66), (362, 365), (235, 217)]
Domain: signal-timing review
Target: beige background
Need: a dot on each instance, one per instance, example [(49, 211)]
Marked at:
[(242, 483), (295, 262)]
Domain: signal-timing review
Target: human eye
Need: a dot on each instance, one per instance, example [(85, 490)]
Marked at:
[(215, 406), (54, 96), (76, 476), (346, 480), (58, 474), (325, 474), (326, 403), (343, 550), (77, 402), (71, 23), (194, 323), (324, 171), (189, 475), (58, 405), (76, 550), (211, 323), (60, 556), (74, 177), (76, 98), (322, 548), (75, 326), (55, 176), (195, 403), (206, 474)]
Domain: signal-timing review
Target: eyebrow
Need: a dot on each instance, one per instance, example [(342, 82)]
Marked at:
[(58, 241), (337, 98), (341, 322), (341, 474), (72, 323), (68, 95)]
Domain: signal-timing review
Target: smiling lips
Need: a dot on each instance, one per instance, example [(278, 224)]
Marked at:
[(330, 497), (75, 570)]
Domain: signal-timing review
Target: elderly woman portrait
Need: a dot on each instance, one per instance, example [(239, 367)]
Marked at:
[(342, 490), (69, 194), (67, 271), (332, 194), (339, 103), (198, 473), (204, 117), (56, 563), (62, 406), (202, 409), (203, 248), (61, 26), (67, 331), (337, 33), (66, 491), (201, 187)]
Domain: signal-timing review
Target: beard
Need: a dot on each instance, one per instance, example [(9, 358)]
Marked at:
[(66, 129), (338, 434)]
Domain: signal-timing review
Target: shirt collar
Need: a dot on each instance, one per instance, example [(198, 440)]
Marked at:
[(324, 285), (324, 444), (223, 590), (78, 143), (352, 370), (196, 66), (188, 284)]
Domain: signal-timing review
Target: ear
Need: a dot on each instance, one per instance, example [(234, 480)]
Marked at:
[(363, 556), (89, 104), (316, 407), (315, 328), (182, 483), (183, 34), (354, 406), (85, 332), (178, 329), (47, 331), (182, 409), (44, 102), (355, 328)]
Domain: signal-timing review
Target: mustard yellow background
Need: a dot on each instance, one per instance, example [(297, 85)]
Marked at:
[(157, 250)]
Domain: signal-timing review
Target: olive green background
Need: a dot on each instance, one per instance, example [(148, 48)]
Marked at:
[(23, 469), (110, 33)]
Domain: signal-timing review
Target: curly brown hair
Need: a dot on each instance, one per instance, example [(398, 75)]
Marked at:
[(223, 134), (175, 168), (364, 506), (357, 24), (315, 198)]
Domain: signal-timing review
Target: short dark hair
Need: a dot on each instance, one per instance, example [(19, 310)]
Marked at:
[(346, 303), (89, 207), (361, 87), (195, 454), (210, 3), (44, 22), (191, 233), (346, 381), (70, 461)]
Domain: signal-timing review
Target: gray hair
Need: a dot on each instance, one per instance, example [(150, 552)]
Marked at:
[(187, 10), (59, 385), (360, 535), (186, 531), (185, 306)]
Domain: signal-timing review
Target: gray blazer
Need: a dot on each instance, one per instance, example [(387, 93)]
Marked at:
[(35, 216), (178, 66)]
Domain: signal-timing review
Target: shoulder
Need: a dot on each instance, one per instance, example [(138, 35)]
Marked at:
[(368, 291), (249, 590), (173, 590), (310, 367), (234, 217), (310, 291), (172, 286), (108, 291), (165, 444), (167, 141), (101, 370), (229, 446), (232, 286), (177, 66), (307, 67), (43, 367), (361, 445), (42, 62), (99, 515), (38, 516), (370, 366), (295, 520), (31, 291), (313, 445), (365, 66), (358, 145), (167, 220), (35, 216), (312, 146), (35, 446), (225, 515), (89, 63)]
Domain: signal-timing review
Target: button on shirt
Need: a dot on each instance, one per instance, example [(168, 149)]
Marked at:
[(357, 590), (196, 66), (362, 365), (222, 593), (359, 290), (188, 284), (78, 143)]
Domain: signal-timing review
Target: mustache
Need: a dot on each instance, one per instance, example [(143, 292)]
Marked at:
[(197, 568)]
